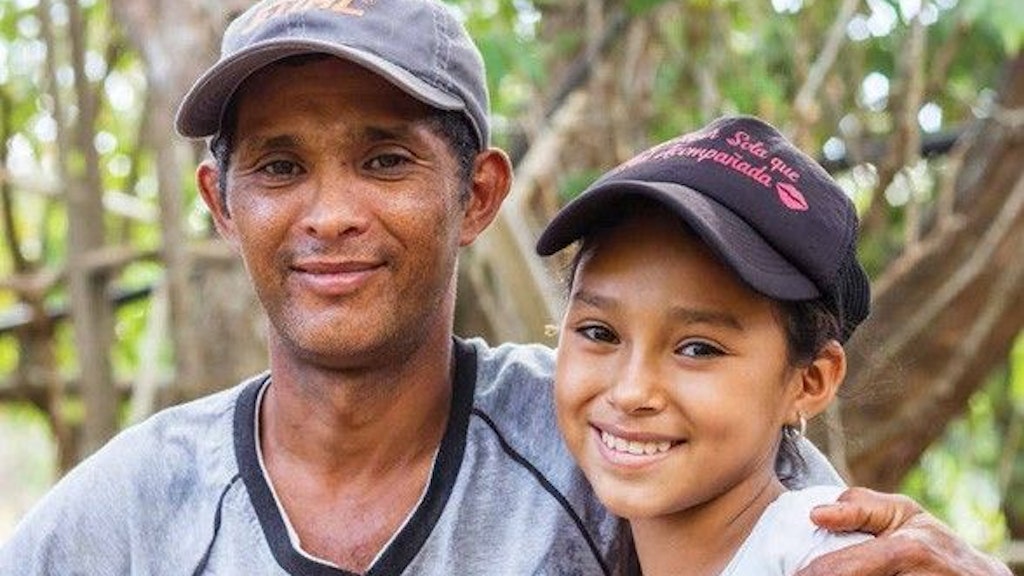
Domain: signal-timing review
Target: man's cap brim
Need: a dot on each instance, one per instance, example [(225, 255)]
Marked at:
[(202, 109)]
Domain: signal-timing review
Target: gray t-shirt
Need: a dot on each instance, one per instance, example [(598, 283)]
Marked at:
[(184, 492)]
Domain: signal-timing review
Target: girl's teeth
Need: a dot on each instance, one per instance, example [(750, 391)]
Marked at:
[(633, 446)]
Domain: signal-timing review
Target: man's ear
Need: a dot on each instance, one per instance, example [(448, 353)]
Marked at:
[(820, 380), (492, 179), (208, 180)]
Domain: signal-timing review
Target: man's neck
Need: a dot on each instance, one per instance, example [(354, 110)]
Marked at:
[(354, 446), (346, 420)]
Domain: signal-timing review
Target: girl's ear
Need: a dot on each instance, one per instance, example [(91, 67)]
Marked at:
[(819, 381)]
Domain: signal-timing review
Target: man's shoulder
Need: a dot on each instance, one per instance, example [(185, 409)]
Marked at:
[(512, 364), (514, 390), (185, 434), (191, 438), (153, 477), (514, 403), (195, 419)]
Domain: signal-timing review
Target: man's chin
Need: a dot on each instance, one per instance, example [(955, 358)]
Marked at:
[(345, 347)]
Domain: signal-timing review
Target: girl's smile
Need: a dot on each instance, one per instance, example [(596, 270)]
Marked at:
[(632, 450)]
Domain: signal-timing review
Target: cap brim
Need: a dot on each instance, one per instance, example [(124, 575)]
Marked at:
[(203, 106), (728, 236)]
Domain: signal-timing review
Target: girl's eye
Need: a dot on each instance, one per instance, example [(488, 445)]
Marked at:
[(597, 333), (699, 350)]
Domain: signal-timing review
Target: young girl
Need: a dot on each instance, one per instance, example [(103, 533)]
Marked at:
[(714, 285)]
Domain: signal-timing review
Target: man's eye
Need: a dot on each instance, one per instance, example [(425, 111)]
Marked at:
[(699, 350), (281, 168), (386, 161), (598, 333)]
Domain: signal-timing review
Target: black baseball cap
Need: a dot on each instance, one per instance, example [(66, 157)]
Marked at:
[(769, 211)]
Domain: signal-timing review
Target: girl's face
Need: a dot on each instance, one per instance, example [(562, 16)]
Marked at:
[(672, 383)]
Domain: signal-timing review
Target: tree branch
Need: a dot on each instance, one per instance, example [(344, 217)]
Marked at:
[(803, 103), (577, 75)]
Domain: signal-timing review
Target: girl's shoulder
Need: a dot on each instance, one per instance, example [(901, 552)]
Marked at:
[(785, 540)]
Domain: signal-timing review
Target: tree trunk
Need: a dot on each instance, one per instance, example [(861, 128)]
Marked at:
[(92, 315), (214, 323), (946, 314)]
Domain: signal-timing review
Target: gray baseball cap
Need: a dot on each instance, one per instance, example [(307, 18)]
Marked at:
[(418, 45)]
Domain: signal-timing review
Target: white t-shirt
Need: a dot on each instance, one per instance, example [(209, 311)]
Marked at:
[(785, 540)]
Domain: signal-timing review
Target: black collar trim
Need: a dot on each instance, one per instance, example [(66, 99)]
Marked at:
[(411, 537)]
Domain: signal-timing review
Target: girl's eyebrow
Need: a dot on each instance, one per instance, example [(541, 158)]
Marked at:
[(703, 316), (681, 314), (594, 300)]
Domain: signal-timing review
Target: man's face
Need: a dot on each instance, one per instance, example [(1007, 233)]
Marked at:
[(345, 207)]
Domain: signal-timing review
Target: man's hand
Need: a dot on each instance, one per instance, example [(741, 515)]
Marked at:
[(910, 541)]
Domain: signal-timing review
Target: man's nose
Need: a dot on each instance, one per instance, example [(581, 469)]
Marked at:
[(337, 207)]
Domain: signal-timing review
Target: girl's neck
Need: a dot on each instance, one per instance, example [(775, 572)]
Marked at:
[(700, 541)]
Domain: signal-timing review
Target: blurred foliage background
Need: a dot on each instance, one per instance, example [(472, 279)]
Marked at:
[(116, 298)]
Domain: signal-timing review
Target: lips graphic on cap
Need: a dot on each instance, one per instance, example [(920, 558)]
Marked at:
[(791, 197)]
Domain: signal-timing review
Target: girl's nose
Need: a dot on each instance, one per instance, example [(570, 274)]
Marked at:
[(638, 389)]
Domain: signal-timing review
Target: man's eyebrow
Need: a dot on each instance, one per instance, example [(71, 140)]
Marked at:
[(280, 141), (681, 314), (370, 134), (410, 130), (380, 133)]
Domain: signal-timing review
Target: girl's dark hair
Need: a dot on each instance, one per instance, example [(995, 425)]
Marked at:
[(451, 125), (809, 325)]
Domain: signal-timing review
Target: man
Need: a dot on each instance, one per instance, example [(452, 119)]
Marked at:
[(351, 162)]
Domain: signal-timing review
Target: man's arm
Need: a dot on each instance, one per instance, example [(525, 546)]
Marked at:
[(910, 541)]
